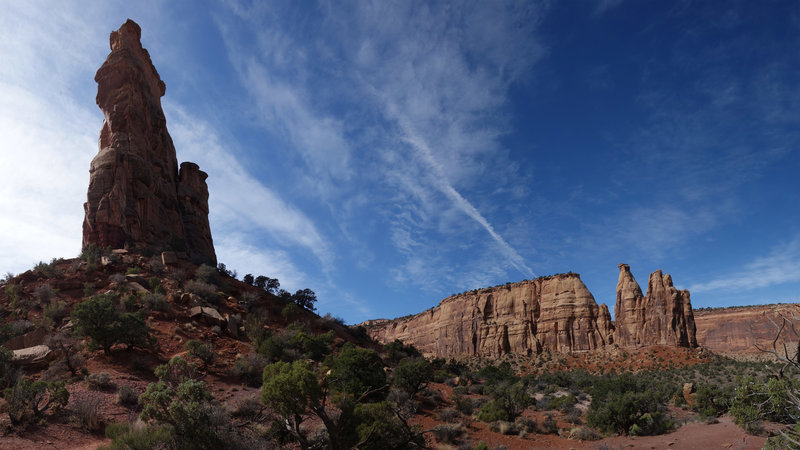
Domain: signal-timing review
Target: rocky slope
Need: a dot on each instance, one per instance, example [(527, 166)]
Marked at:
[(137, 196), (737, 330), (556, 313)]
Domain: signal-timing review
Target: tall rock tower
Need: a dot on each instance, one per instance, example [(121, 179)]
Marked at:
[(137, 196), (663, 317)]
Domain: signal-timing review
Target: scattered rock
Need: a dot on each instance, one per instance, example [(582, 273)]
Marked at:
[(234, 322), (688, 394)]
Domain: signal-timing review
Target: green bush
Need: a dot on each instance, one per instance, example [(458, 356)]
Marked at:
[(628, 404), (125, 436), (412, 374), (98, 319), (187, 408), (493, 411), (200, 350), (29, 400)]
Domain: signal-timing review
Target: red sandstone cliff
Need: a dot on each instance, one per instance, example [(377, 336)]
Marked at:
[(136, 194), (552, 313), (739, 329), (555, 313)]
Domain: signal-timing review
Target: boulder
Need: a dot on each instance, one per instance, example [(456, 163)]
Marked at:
[(689, 394), (208, 315), (35, 356), (137, 288), (137, 194)]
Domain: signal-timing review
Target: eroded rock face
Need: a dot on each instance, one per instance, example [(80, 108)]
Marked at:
[(136, 195), (738, 330), (663, 317), (551, 313)]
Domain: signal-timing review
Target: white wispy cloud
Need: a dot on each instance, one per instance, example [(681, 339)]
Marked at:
[(238, 201), (781, 265), (418, 91)]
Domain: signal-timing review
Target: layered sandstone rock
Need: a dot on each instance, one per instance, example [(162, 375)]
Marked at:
[(136, 196), (737, 330), (663, 317), (551, 313)]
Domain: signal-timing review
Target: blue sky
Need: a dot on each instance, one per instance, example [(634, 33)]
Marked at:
[(389, 154)]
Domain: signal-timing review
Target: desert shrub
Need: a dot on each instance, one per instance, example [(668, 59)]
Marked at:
[(493, 411), (249, 410), (156, 265), (47, 270), (86, 411), (449, 415), (127, 395), (55, 311), (205, 291), (249, 300), (207, 274), (503, 427), (563, 403), (290, 311), (583, 434), (203, 352), (44, 293), (7, 370), (176, 371), (155, 302), (91, 254), (526, 424), (187, 407), (29, 400), (69, 349), (549, 425), (463, 405), (711, 400), (249, 368), (99, 381), (126, 436), (448, 433), (134, 270)]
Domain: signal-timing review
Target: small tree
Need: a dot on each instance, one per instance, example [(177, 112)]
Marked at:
[(187, 408), (411, 374), (305, 298), (29, 400), (248, 278), (97, 318)]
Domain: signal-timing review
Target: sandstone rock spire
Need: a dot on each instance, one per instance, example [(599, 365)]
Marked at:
[(137, 196), (663, 317)]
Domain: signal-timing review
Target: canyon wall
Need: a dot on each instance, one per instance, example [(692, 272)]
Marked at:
[(737, 330), (556, 313), (137, 196)]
